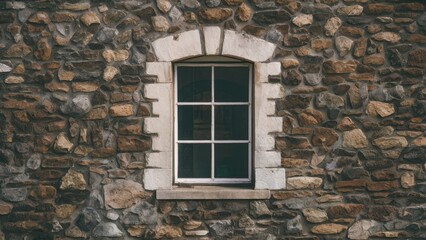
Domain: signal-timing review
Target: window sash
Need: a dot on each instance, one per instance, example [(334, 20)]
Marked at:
[(212, 103)]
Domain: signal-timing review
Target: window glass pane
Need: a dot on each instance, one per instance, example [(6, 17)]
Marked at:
[(194, 160), (194, 84), (231, 122), (231, 160), (231, 84), (194, 122)]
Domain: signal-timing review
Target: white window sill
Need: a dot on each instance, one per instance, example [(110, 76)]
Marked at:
[(211, 192)]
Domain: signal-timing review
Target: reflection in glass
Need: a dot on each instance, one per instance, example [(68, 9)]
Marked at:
[(194, 84), (231, 160), (194, 160), (231, 84), (231, 122), (194, 122)]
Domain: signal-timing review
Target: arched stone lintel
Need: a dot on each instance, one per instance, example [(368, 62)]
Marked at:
[(189, 44)]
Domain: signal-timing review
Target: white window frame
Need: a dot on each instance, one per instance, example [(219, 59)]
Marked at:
[(212, 103)]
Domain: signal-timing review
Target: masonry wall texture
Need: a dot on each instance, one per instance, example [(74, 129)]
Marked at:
[(72, 110)]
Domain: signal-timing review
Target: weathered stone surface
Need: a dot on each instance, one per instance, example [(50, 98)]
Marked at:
[(303, 182), (141, 213), (332, 25), (122, 194), (160, 23), (343, 45), (5, 208), (408, 180), (89, 18), (73, 180), (259, 209), (324, 137), (417, 58), (302, 20), (339, 66), (329, 100), (315, 215), (390, 142), (328, 228), (363, 229), (244, 12), (354, 139), (112, 56), (271, 17), (14, 194), (62, 144), (344, 210), (215, 15), (382, 109), (386, 36), (352, 10), (221, 227), (107, 229)]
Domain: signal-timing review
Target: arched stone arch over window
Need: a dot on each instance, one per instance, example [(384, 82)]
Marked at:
[(212, 41)]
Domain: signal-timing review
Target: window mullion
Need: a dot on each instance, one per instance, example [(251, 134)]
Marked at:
[(212, 127)]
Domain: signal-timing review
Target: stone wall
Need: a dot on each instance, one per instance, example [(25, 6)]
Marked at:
[(72, 111)]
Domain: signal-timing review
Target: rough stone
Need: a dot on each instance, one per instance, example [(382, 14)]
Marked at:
[(302, 20), (352, 10), (271, 17), (221, 228), (73, 180), (215, 15), (363, 229), (328, 228), (343, 45), (244, 12), (339, 66), (160, 23), (324, 137), (329, 100), (107, 229), (43, 50), (332, 25), (303, 183), (386, 36), (259, 209), (62, 144), (408, 180), (89, 18), (294, 226), (315, 215), (5, 208), (122, 194), (14, 194), (381, 109), (354, 139), (113, 56)]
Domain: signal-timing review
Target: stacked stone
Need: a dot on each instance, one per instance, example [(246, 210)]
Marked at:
[(72, 111)]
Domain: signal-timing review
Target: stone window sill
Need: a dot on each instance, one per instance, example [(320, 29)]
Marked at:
[(211, 192)]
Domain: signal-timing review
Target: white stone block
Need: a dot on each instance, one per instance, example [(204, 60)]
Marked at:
[(270, 178), (267, 159), (212, 37), (269, 108), (264, 70), (247, 47), (179, 46), (163, 71), (154, 178), (159, 160)]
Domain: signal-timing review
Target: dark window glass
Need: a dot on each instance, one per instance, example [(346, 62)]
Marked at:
[(231, 160), (194, 160), (194, 122), (231, 84), (231, 122), (194, 84)]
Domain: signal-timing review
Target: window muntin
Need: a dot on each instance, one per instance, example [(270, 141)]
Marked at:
[(213, 123)]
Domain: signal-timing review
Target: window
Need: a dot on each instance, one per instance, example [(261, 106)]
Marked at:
[(213, 123)]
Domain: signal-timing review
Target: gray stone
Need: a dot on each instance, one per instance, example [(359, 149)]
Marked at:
[(221, 228), (112, 215), (343, 45), (88, 219), (4, 68), (14, 194), (175, 14), (329, 100), (138, 57), (312, 79), (363, 229), (294, 226), (212, 3), (297, 203), (7, 156), (34, 161), (24, 14), (274, 36), (80, 104), (106, 34), (15, 5), (259, 208), (191, 4), (141, 213), (108, 229)]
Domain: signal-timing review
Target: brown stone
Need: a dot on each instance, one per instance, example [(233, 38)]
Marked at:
[(97, 113), (382, 213), (354, 139), (117, 55), (382, 109), (160, 23), (81, 6), (64, 75), (244, 12), (42, 192), (85, 86), (137, 230), (390, 142), (362, 77), (73, 180), (417, 38), (303, 182), (89, 18), (321, 44), (408, 180), (290, 63), (382, 186), (23, 226), (417, 58), (121, 110), (386, 36), (346, 124), (310, 117), (39, 17), (14, 80), (380, 8), (43, 50), (63, 17), (215, 15), (411, 6), (324, 137), (254, 30), (339, 66), (345, 210), (62, 144), (122, 194), (315, 215), (167, 231), (132, 144), (64, 211), (375, 60), (352, 31), (54, 86), (5, 208), (328, 228), (18, 50), (385, 174)]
